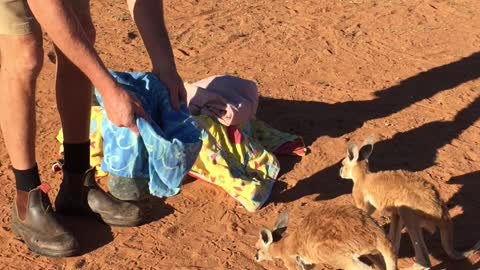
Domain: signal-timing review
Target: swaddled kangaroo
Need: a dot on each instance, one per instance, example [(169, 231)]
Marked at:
[(331, 234), (409, 199)]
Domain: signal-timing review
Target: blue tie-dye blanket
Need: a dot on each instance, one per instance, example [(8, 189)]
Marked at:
[(168, 144)]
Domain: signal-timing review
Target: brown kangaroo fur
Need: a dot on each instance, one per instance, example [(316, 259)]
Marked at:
[(411, 201), (330, 234)]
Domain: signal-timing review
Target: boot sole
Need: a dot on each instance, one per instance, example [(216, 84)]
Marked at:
[(111, 222), (19, 233), (119, 222)]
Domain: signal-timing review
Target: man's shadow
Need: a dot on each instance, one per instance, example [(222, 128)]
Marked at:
[(315, 119), (413, 150), (416, 149)]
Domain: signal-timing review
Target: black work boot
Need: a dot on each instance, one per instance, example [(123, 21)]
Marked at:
[(80, 194), (35, 222)]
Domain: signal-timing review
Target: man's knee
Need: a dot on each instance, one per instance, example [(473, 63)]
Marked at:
[(23, 56), (90, 32)]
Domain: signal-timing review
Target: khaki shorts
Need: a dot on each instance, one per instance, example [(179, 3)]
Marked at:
[(17, 19)]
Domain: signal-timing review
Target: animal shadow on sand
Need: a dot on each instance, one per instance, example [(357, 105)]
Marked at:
[(466, 224), (412, 150), (315, 119)]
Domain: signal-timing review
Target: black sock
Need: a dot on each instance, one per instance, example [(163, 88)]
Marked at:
[(26, 180), (76, 157)]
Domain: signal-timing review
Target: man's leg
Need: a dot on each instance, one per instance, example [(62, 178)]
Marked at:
[(21, 57), (21, 61), (79, 192), (74, 93)]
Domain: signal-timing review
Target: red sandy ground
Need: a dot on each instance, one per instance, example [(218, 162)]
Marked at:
[(405, 71)]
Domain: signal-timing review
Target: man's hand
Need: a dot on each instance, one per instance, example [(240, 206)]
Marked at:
[(122, 108), (175, 87)]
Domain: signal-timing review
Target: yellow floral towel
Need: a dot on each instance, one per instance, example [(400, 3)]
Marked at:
[(237, 163)]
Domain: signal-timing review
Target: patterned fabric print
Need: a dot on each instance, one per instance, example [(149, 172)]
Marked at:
[(96, 141), (274, 140), (168, 144), (237, 160), (242, 167)]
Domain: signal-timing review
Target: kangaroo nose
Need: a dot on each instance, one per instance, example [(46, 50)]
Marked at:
[(256, 256)]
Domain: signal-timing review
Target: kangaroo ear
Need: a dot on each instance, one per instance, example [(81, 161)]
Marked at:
[(280, 226), (366, 149), (352, 152), (266, 236), (282, 221)]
